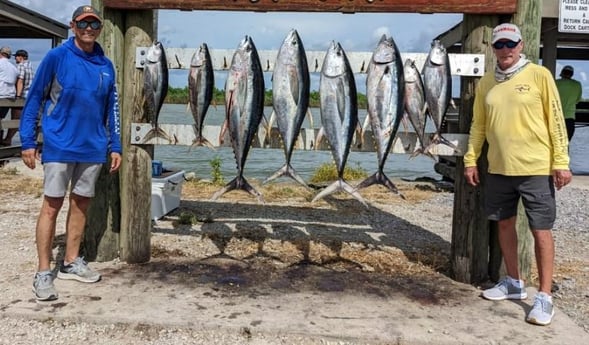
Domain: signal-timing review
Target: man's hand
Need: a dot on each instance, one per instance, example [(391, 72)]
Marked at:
[(115, 162), (472, 175), (29, 156), (561, 178)]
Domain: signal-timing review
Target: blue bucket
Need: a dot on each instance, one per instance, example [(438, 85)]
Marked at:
[(156, 168)]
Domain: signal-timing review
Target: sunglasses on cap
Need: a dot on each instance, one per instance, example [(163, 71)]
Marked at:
[(508, 44), (94, 25)]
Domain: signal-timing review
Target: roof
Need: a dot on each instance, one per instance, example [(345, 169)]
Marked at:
[(19, 22)]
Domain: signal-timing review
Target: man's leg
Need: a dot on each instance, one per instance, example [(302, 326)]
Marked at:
[(508, 243), (544, 248), (46, 230), (43, 282), (75, 224)]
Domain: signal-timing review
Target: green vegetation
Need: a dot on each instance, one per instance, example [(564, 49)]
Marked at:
[(328, 172), (216, 174), (178, 95)]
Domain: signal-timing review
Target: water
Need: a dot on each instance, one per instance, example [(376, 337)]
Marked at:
[(262, 163), (579, 151)]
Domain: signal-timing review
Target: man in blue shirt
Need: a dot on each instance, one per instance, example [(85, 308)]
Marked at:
[(74, 95)]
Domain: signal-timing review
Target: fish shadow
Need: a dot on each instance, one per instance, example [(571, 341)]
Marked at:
[(311, 248)]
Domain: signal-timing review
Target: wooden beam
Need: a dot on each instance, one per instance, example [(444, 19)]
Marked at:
[(344, 6)]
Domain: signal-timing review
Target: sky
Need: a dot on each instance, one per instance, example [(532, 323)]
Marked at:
[(224, 30)]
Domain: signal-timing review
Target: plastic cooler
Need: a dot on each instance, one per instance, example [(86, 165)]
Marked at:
[(166, 191)]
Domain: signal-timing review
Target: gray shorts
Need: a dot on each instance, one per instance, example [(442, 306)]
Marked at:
[(502, 195), (83, 178)]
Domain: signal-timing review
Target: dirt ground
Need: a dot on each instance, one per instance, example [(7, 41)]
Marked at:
[(286, 272)]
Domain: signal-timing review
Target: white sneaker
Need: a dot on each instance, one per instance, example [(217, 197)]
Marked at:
[(505, 289), (542, 311)]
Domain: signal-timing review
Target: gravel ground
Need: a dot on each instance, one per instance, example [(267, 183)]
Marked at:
[(432, 212)]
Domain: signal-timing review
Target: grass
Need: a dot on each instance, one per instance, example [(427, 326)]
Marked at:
[(327, 172)]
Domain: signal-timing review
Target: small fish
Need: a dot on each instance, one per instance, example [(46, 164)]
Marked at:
[(155, 86), (290, 98), (385, 94), (339, 114), (437, 82), (415, 106), (244, 109), (200, 90)]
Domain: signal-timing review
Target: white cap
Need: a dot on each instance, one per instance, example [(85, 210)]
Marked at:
[(506, 31)]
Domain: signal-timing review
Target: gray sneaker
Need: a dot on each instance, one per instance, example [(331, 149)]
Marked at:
[(505, 290), (78, 270), (542, 311), (43, 286)]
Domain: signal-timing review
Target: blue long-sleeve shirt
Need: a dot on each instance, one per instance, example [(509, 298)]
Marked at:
[(74, 95)]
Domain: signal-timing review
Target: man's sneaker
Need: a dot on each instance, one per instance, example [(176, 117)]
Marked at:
[(542, 311), (43, 286), (78, 270), (505, 289)]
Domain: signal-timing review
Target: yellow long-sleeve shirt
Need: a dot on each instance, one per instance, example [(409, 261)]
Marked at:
[(522, 121)]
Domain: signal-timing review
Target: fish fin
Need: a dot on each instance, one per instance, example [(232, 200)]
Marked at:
[(439, 139), (380, 178), (288, 171), (238, 182), (156, 132), (340, 185)]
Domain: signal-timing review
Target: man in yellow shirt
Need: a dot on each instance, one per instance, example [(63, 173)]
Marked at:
[(517, 111), (570, 91)]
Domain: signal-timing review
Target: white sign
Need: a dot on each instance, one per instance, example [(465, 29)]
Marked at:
[(574, 16)]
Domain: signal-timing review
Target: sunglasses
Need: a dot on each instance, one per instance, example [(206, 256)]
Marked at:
[(508, 44), (94, 25)]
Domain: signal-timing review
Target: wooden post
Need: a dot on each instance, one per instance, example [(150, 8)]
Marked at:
[(101, 236), (470, 232), (136, 168), (529, 18)]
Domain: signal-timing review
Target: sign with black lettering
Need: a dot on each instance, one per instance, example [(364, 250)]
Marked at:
[(573, 16)]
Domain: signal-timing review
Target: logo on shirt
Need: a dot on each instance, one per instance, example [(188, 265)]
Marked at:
[(522, 88)]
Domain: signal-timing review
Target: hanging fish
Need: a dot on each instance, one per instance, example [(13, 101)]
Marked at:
[(200, 90), (244, 109), (339, 114), (290, 98), (437, 82), (385, 92), (155, 87), (415, 106)]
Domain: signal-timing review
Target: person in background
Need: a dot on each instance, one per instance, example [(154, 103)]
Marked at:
[(517, 111), (74, 95), (8, 74), (23, 83), (570, 91)]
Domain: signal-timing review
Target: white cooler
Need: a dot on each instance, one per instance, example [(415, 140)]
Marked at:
[(166, 191)]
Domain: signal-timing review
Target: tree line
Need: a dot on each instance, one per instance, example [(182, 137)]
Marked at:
[(178, 95)]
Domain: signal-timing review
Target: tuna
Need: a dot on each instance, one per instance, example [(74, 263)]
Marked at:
[(200, 90), (415, 106), (339, 114), (437, 81), (290, 89), (385, 92), (244, 107), (155, 86)]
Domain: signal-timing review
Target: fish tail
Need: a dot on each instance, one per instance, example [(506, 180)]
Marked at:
[(238, 182), (380, 178), (340, 185), (201, 141), (157, 132), (439, 139), (288, 171)]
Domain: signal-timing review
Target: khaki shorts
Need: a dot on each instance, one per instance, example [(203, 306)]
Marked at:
[(82, 176), (502, 194)]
